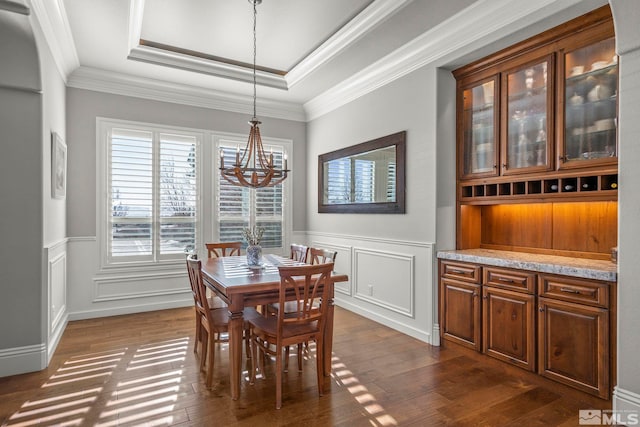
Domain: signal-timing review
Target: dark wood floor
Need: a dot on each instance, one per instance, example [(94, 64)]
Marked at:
[(140, 370)]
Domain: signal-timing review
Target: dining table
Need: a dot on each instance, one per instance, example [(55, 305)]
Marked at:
[(241, 285)]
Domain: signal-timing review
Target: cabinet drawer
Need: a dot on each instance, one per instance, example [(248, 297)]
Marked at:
[(575, 290), (460, 271), (517, 280)]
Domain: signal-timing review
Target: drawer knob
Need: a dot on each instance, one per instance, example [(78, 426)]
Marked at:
[(541, 309)]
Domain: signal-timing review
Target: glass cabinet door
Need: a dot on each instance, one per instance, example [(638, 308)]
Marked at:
[(479, 121), (590, 113), (528, 100)]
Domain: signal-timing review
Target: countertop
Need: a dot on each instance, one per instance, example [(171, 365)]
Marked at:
[(576, 267)]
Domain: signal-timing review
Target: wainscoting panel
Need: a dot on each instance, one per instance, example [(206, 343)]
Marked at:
[(385, 279), (342, 263), (390, 281), (140, 286), (57, 268)]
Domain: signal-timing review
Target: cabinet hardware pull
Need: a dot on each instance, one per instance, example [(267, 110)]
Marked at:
[(504, 279), (456, 271), (569, 291), (474, 294), (541, 309)]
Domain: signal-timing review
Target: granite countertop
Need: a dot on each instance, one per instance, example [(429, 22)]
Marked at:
[(576, 267)]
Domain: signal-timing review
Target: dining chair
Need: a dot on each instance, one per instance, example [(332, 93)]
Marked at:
[(218, 250), (222, 249), (299, 252), (272, 334), (212, 322), (321, 256)]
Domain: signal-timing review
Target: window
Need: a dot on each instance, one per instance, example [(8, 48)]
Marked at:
[(238, 207), (152, 193)]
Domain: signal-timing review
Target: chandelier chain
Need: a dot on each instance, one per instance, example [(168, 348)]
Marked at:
[(255, 14)]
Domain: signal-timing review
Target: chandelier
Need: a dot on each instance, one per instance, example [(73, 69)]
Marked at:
[(253, 168)]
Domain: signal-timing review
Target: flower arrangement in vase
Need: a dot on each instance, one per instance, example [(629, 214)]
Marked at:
[(253, 236)]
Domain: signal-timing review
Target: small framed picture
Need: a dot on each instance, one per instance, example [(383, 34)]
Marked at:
[(58, 167)]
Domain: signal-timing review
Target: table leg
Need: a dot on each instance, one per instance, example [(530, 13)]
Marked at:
[(328, 335), (236, 330)]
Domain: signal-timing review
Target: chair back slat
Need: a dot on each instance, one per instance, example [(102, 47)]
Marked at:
[(299, 252), (223, 249), (321, 256)]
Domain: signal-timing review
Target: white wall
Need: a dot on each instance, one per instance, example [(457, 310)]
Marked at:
[(388, 256)]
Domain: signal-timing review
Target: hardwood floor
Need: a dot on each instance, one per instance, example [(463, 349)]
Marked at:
[(141, 370)]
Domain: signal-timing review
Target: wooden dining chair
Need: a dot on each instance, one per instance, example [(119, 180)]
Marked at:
[(299, 252), (222, 249), (212, 323), (272, 334), (321, 256)]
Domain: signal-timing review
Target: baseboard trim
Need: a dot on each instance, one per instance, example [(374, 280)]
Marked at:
[(393, 324), (20, 360), (625, 400), (117, 311)]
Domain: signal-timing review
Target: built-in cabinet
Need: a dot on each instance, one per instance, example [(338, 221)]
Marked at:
[(538, 120), (537, 173), (558, 326)]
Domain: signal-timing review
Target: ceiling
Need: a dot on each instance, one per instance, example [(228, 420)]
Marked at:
[(312, 55), (311, 45)]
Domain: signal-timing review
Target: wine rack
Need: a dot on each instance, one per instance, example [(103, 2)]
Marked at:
[(601, 186)]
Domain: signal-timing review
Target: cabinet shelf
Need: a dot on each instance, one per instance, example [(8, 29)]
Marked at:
[(603, 186)]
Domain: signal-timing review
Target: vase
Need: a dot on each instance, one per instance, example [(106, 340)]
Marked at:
[(254, 254)]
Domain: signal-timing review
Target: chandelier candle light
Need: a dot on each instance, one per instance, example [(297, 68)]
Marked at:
[(254, 168)]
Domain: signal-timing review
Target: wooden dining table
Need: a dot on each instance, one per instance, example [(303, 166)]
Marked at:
[(240, 286)]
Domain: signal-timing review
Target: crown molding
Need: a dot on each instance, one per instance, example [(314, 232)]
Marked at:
[(51, 18), (15, 6), (141, 87), (485, 18), (367, 20), (364, 22), (205, 66)]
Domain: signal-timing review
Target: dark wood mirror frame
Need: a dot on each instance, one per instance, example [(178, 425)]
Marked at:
[(399, 141)]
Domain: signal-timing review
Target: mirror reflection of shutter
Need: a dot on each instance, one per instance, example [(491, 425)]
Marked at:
[(364, 181), (391, 181), (338, 185)]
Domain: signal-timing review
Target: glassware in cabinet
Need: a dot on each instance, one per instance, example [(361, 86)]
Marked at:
[(528, 99), (591, 82), (479, 123)]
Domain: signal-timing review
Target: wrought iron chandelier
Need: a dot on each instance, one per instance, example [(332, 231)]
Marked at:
[(253, 168)]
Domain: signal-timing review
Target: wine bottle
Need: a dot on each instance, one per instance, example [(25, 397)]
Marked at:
[(554, 187), (614, 186), (568, 187)]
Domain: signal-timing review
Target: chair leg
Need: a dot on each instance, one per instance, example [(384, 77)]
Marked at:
[(320, 365), (198, 337), (279, 378), (254, 358), (300, 357), (286, 359), (212, 359), (204, 345)]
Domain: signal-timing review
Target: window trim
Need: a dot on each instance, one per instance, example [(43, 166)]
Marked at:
[(287, 213), (103, 132)]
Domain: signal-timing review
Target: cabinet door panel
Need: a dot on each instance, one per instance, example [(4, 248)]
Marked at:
[(461, 312), (590, 113), (528, 101), (573, 346), (479, 133), (509, 326)]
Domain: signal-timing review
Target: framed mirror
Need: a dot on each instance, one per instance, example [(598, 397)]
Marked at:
[(364, 178)]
